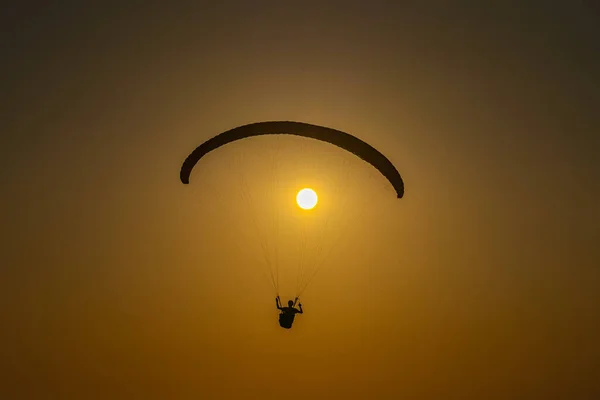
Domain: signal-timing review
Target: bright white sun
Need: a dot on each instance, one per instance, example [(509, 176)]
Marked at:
[(307, 199)]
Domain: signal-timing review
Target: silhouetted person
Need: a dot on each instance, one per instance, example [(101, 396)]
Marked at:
[(287, 315)]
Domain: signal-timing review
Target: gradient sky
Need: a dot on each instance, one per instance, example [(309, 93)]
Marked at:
[(482, 283)]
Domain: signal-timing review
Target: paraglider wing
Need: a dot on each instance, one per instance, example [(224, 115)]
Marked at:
[(329, 135)]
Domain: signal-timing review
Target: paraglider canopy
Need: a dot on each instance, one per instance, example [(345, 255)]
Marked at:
[(333, 136)]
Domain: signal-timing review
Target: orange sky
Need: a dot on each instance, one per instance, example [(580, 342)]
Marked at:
[(482, 283)]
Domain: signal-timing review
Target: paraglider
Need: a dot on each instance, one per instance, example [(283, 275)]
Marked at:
[(306, 198), (287, 314)]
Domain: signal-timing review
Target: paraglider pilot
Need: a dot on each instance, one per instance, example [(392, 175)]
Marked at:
[(287, 315)]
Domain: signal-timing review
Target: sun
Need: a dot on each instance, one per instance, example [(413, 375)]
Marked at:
[(307, 199)]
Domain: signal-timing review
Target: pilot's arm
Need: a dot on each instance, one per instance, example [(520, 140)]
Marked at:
[(300, 307), (277, 303)]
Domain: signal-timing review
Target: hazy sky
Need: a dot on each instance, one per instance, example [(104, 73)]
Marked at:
[(482, 283)]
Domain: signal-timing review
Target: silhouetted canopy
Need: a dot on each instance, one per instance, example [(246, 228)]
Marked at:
[(324, 134)]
